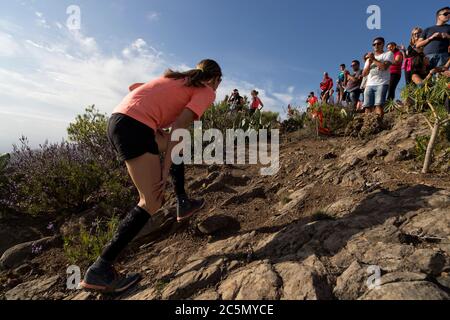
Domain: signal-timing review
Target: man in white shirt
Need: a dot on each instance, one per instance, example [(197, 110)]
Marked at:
[(376, 70)]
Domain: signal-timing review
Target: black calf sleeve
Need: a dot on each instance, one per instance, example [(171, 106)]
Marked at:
[(177, 173), (127, 231)]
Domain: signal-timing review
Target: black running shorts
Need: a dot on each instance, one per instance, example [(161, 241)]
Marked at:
[(131, 138)]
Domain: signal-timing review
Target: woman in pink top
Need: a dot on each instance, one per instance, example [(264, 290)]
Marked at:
[(395, 69), (256, 102), (135, 132)]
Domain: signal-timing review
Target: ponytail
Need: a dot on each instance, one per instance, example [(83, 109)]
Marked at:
[(206, 70)]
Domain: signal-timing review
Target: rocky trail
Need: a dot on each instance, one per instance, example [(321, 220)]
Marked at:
[(338, 208)]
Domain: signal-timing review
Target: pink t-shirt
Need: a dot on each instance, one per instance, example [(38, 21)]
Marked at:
[(396, 68), (256, 103), (159, 102)]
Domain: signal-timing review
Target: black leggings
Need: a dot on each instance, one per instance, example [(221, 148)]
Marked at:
[(177, 174), (395, 79), (408, 77)]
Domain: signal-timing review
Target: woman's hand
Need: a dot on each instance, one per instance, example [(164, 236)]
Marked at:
[(161, 186), (434, 71), (435, 36)]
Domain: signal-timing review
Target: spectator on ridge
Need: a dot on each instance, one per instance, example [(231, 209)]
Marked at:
[(256, 102), (354, 83), (435, 39), (395, 69), (377, 71), (341, 83), (312, 100), (411, 52), (326, 86), (236, 101)]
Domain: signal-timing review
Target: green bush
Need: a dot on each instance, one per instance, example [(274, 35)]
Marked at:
[(89, 131), (446, 132), (85, 247), (429, 100), (335, 118), (421, 147), (293, 123)]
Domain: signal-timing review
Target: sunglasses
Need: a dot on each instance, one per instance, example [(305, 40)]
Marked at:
[(378, 44), (445, 14)]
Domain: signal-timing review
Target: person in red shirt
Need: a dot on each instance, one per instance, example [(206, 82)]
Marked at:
[(395, 69), (256, 102), (135, 131), (325, 86), (312, 100)]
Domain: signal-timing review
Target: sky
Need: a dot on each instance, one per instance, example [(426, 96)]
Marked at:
[(49, 73)]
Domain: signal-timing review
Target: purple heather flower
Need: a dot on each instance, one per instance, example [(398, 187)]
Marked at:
[(36, 249), (51, 226)]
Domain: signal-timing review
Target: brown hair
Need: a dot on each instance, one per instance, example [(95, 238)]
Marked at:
[(206, 70)]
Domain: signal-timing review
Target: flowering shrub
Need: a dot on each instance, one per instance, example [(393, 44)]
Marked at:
[(67, 177), (55, 177)]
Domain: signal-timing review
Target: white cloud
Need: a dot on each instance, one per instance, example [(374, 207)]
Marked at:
[(41, 21), (153, 16), (9, 26), (8, 47), (67, 71)]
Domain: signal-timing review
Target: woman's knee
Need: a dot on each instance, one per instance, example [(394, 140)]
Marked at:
[(150, 207), (150, 203)]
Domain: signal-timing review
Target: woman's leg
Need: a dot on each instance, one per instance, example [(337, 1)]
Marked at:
[(145, 172), (185, 207), (177, 172), (408, 77), (393, 83)]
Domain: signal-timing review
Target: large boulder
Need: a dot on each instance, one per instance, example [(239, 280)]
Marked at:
[(257, 281), (214, 224), (32, 290), (351, 284), (304, 281), (414, 290), (17, 255), (196, 276)]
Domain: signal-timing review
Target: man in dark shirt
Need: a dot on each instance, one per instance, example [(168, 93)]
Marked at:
[(354, 83), (236, 101), (435, 39)]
